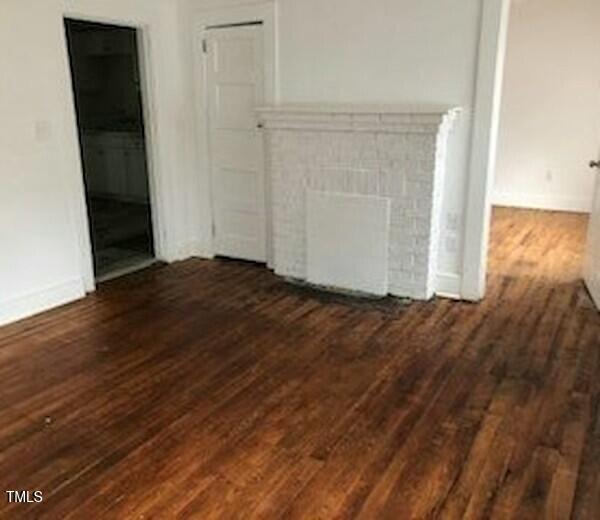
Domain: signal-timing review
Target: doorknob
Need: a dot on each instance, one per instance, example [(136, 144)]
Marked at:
[(594, 164)]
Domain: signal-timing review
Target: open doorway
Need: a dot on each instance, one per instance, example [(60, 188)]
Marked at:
[(107, 89), (549, 131)]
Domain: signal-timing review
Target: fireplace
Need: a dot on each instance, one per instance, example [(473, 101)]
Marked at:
[(358, 160)]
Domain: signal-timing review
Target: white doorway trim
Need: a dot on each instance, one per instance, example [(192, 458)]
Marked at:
[(203, 19), (156, 184), (488, 95)]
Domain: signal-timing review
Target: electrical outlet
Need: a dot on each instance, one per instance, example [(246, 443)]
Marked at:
[(549, 176)]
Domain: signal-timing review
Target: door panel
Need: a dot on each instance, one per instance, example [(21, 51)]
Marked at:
[(592, 264), (246, 151), (236, 88), (236, 55), (235, 105), (239, 190)]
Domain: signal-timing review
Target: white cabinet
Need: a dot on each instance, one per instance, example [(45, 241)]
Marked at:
[(115, 165)]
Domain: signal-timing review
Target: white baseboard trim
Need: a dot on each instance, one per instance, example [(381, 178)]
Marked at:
[(200, 248), (15, 309), (203, 248), (184, 251), (551, 203), (448, 286)]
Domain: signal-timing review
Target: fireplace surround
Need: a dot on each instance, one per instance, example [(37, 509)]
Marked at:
[(388, 152)]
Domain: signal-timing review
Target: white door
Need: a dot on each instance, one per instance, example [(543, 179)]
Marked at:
[(592, 263), (236, 88)]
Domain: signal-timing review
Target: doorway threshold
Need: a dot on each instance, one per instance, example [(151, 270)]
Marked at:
[(125, 270)]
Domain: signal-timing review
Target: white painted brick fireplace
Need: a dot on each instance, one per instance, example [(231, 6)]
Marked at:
[(394, 153)]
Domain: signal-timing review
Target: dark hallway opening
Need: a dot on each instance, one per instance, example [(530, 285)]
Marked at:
[(107, 87)]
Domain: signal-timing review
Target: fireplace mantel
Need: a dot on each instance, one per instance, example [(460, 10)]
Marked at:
[(381, 118), (376, 154)]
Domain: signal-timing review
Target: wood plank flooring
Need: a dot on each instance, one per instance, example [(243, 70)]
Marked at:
[(215, 390)]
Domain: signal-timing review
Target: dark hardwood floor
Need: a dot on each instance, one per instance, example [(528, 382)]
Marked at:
[(215, 390)]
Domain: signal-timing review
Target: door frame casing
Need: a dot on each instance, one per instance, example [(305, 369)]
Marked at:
[(484, 139), (157, 194), (202, 20), (591, 281)]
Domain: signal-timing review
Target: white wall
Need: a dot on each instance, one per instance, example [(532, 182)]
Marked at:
[(550, 121), (41, 241), (386, 51)]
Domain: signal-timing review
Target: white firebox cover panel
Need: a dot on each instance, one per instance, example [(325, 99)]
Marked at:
[(348, 240)]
